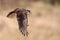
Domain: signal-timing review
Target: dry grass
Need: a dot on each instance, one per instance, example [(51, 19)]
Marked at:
[(44, 24)]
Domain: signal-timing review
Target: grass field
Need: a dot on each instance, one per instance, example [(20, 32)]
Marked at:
[(44, 24)]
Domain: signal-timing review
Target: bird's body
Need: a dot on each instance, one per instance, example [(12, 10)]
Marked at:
[(21, 15)]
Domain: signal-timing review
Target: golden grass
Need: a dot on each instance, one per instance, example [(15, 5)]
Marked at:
[(44, 24)]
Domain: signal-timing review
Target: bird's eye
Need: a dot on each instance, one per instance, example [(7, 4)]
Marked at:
[(28, 10)]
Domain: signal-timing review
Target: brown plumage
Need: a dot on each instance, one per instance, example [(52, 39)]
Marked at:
[(21, 15)]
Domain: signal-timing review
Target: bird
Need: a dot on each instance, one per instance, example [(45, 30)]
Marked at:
[(22, 19)]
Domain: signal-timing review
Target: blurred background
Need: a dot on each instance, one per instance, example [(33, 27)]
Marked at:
[(44, 22)]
